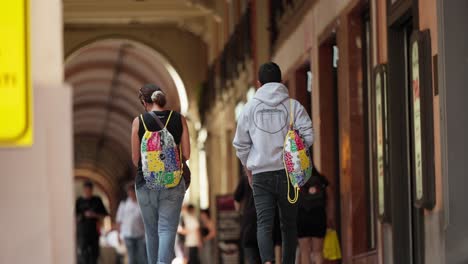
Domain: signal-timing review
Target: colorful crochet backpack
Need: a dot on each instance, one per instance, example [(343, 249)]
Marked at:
[(161, 158), (296, 157)]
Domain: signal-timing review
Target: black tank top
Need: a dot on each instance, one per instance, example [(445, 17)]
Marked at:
[(174, 127)]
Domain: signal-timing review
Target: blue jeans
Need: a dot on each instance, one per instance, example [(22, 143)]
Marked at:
[(160, 210), (136, 249), (270, 190)]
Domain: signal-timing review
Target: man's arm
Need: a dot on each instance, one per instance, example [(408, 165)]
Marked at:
[(77, 207), (119, 219), (120, 216), (239, 194), (249, 176), (303, 123), (211, 231), (100, 212), (242, 141)]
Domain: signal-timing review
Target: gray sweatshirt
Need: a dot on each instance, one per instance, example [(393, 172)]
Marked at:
[(262, 127)]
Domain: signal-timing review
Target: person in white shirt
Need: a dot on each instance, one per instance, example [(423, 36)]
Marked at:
[(131, 228), (192, 233)]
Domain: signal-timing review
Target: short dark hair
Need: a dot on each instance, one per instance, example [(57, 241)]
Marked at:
[(269, 72), (88, 184)]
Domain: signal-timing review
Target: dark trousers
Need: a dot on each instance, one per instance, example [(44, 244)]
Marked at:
[(193, 255), (270, 190), (252, 256), (88, 250)]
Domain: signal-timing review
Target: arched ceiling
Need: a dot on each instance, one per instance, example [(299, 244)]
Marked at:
[(143, 11), (106, 77), (192, 15)]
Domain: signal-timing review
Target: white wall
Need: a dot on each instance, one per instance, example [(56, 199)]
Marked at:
[(36, 195)]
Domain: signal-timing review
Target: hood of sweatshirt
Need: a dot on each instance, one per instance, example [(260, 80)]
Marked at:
[(272, 94)]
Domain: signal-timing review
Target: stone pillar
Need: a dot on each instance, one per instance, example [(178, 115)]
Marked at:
[(452, 65), (36, 193)]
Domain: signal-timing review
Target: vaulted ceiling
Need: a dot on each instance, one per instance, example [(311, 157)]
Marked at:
[(192, 15)]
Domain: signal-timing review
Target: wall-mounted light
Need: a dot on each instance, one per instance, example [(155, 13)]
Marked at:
[(202, 135), (238, 109), (250, 93), (310, 78)]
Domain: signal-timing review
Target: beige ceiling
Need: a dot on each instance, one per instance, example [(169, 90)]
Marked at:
[(135, 11)]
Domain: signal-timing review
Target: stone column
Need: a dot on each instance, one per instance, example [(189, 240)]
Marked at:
[(36, 192)]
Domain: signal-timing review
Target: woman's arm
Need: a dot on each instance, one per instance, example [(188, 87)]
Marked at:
[(211, 230), (185, 140), (181, 230), (135, 140), (199, 238)]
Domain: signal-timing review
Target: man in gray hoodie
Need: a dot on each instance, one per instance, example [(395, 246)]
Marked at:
[(261, 131)]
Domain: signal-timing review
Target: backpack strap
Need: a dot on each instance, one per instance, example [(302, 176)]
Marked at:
[(291, 114), (168, 119), (143, 121), (156, 118), (295, 188)]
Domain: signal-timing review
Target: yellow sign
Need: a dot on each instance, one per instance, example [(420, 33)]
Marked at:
[(15, 86)]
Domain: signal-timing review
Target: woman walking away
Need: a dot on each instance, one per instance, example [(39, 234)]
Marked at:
[(160, 142), (313, 218)]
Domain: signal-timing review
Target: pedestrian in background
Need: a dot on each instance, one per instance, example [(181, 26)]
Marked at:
[(208, 235), (193, 241), (89, 211), (313, 218), (180, 251), (131, 227), (244, 202)]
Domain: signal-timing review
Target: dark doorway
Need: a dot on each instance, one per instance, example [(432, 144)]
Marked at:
[(407, 220), (303, 87), (329, 126)]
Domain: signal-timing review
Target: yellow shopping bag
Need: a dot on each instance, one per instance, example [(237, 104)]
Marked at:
[(331, 246)]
